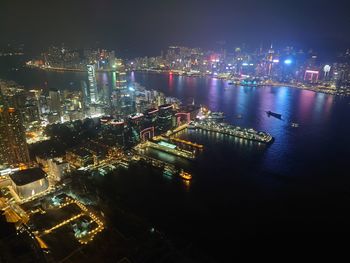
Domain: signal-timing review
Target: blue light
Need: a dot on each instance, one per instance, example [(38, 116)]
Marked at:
[(288, 61), (131, 89), (245, 64)]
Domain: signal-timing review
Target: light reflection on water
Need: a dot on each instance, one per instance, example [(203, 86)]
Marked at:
[(315, 113), (233, 175)]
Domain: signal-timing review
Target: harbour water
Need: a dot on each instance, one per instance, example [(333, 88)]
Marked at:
[(244, 195)]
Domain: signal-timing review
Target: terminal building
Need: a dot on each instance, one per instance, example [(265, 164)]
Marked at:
[(29, 182)]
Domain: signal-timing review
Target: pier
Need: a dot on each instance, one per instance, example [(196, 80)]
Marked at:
[(223, 128), (155, 162)]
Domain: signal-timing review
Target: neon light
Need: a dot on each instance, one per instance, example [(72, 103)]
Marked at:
[(312, 72), (137, 115), (149, 131), (154, 111), (166, 107), (288, 61), (115, 122)]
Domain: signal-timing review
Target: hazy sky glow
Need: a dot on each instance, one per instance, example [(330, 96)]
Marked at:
[(146, 26)]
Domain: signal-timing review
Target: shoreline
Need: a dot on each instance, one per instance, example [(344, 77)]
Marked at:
[(56, 69), (159, 72), (273, 84)]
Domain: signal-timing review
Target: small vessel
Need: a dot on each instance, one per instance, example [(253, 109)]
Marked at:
[(295, 125), (186, 176), (216, 116), (274, 114), (239, 116)]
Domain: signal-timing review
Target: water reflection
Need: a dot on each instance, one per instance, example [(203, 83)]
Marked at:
[(320, 116), (187, 185), (171, 81)]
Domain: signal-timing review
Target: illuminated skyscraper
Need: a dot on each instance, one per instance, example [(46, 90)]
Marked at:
[(55, 101), (122, 98), (85, 94), (269, 60), (13, 145), (3, 136), (165, 115), (92, 83)]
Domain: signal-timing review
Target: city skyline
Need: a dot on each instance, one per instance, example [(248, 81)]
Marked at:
[(141, 28)]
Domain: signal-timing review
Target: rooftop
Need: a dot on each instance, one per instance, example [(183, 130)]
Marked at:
[(28, 176), (81, 152)]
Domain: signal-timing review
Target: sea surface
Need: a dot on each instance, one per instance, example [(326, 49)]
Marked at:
[(287, 198)]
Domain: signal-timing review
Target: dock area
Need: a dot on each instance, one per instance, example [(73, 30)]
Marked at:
[(223, 128)]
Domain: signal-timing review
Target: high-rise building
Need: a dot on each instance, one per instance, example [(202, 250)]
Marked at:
[(340, 74), (55, 101), (151, 117), (122, 99), (30, 113), (85, 93), (165, 116), (160, 99), (92, 83), (13, 145), (4, 144)]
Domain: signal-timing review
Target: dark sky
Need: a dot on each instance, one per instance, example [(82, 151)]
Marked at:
[(146, 26)]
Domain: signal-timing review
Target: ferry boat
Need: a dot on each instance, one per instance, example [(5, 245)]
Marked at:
[(253, 82), (186, 176), (274, 114)]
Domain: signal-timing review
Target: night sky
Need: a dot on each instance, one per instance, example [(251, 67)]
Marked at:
[(146, 26)]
